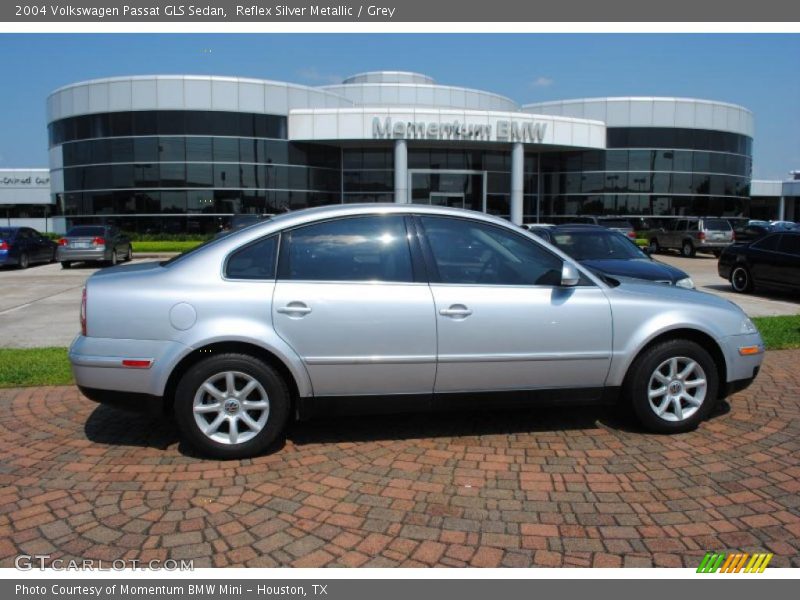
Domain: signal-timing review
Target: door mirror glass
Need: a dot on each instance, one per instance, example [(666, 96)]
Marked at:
[(570, 276)]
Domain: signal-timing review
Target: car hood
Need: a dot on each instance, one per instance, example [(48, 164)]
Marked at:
[(639, 268), (670, 295)]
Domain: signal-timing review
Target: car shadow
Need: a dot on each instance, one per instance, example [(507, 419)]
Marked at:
[(116, 427)]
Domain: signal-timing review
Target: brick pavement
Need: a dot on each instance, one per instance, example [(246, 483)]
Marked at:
[(545, 487)]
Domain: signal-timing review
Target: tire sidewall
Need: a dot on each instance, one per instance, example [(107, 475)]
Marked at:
[(643, 368), (24, 261), (275, 386), (690, 247), (654, 247)]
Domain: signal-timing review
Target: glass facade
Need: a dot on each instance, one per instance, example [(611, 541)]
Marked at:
[(658, 171), (188, 171)]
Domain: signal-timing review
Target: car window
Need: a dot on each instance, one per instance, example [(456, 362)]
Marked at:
[(769, 242), (256, 260), (371, 248), (468, 252), (680, 225), (597, 245), (789, 244), (717, 225), (86, 231)]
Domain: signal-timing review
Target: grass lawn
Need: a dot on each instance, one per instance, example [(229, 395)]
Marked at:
[(779, 332), (164, 246), (20, 367), (34, 366)]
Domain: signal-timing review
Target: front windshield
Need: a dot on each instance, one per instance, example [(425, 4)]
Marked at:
[(594, 245)]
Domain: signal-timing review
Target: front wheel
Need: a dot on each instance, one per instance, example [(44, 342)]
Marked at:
[(672, 386), (231, 406), (24, 261), (741, 281)]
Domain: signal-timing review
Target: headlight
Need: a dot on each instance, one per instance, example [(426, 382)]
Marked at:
[(748, 326), (686, 282)]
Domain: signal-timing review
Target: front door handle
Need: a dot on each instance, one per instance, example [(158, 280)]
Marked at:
[(295, 309), (456, 311)]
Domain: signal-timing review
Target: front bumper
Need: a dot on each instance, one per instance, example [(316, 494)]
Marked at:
[(83, 254), (742, 369)]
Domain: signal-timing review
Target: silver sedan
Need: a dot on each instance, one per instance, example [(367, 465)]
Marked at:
[(393, 307)]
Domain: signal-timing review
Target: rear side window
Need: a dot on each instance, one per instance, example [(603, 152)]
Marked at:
[(254, 261), (789, 244), (717, 225), (371, 248)]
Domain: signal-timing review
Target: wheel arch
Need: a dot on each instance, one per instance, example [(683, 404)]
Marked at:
[(701, 338), (224, 347)]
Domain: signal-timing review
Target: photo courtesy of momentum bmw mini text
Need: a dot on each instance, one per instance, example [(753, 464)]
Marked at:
[(468, 299)]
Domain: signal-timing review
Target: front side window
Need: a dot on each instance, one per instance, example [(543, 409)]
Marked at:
[(254, 261), (789, 244), (769, 242), (373, 248), (468, 252)]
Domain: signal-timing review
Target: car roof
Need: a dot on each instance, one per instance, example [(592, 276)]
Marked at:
[(581, 228)]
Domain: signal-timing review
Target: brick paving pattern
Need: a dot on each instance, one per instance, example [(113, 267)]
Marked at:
[(544, 487)]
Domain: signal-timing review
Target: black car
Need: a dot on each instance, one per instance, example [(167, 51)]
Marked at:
[(23, 246), (610, 253), (771, 261)]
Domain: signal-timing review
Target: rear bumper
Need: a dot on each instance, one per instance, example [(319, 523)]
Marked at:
[(83, 254), (6, 259)]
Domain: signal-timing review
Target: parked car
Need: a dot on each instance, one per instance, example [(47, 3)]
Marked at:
[(771, 261), (692, 235), (94, 243), (784, 225), (23, 246), (752, 231), (389, 307), (609, 252)]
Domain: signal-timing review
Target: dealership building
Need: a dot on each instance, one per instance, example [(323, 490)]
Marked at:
[(184, 153)]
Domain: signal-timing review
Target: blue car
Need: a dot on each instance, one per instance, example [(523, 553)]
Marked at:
[(23, 246), (611, 253)]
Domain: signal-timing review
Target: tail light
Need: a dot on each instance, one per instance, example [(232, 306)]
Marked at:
[(62, 242), (702, 235), (632, 235), (83, 313), (98, 241), (3, 245)]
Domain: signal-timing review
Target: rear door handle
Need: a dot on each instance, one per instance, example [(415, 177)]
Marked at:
[(295, 309), (456, 311)]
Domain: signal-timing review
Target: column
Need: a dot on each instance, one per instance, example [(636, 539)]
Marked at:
[(400, 172), (517, 182), (782, 208)]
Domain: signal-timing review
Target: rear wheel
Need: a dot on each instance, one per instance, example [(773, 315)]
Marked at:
[(231, 406), (114, 258), (129, 254), (654, 247), (741, 281), (687, 249), (24, 261), (65, 264), (672, 386)]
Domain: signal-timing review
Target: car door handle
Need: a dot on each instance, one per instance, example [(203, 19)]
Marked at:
[(295, 309), (456, 311)]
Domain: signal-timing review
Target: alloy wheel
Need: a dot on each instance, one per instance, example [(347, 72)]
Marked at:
[(231, 407), (677, 389)]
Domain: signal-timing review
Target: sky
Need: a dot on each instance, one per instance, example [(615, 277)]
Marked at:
[(757, 71)]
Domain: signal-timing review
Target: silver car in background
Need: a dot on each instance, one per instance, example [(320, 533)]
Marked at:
[(393, 307), (92, 243)]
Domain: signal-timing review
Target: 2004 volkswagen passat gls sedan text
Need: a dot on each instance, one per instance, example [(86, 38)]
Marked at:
[(393, 306)]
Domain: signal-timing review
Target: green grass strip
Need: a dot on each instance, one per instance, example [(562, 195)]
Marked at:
[(34, 366), (779, 333)]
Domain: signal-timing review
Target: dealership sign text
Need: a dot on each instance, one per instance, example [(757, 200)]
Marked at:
[(504, 131)]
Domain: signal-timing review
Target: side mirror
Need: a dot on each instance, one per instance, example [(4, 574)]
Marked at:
[(570, 276)]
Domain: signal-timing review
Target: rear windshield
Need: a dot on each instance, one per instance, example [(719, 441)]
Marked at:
[(6, 232), (85, 230), (616, 223), (717, 224)]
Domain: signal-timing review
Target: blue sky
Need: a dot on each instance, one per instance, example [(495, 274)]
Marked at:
[(757, 71)]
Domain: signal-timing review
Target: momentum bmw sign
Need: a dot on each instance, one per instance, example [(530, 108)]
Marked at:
[(510, 131)]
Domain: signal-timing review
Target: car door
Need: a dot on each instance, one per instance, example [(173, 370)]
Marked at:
[(763, 260), (788, 267), (353, 305), (503, 320)]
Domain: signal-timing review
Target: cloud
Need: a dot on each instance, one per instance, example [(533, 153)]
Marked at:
[(542, 82), (312, 75)]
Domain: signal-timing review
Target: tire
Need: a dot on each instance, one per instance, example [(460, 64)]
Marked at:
[(654, 370), (655, 248), (65, 264), (717, 253), (269, 419), (114, 258), (741, 280), (129, 254), (687, 249), (24, 261)]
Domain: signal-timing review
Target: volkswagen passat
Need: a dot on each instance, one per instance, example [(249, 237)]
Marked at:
[(386, 307)]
